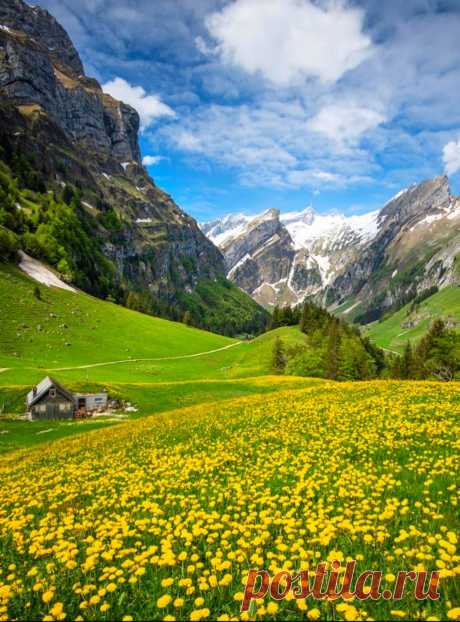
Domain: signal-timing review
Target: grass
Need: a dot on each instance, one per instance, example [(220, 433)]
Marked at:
[(33, 344), (67, 329), (148, 399), (164, 516), (393, 332)]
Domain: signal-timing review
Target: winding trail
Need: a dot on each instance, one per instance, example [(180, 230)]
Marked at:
[(164, 358), (388, 350)]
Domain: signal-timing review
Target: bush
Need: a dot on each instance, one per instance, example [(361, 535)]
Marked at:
[(9, 245)]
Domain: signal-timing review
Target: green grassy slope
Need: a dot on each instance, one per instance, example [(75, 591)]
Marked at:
[(32, 344), (393, 332), (66, 329)]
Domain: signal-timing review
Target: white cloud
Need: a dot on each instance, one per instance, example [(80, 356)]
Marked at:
[(451, 157), (149, 107), (150, 160), (287, 40), (345, 122), (187, 141), (267, 145)]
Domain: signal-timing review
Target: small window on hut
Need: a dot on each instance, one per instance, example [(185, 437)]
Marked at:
[(64, 406), (52, 392)]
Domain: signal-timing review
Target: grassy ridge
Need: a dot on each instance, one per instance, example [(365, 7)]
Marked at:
[(406, 324)]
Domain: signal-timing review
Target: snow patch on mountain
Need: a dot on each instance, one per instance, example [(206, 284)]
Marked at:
[(240, 263), (307, 227), (224, 229), (304, 227)]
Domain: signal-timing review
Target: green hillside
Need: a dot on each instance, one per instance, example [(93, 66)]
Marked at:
[(412, 321), (65, 328), (89, 344)]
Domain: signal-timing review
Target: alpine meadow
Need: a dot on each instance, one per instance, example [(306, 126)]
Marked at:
[(229, 310)]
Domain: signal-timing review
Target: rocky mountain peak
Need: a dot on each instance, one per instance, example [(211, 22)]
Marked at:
[(281, 258), (416, 202), (39, 66), (41, 26), (269, 214), (308, 215)]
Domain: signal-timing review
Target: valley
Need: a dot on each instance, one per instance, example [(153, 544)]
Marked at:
[(276, 391)]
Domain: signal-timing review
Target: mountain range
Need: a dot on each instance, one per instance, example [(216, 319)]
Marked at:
[(363, 264), (62, 136)]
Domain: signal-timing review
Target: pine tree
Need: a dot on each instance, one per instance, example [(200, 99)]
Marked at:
[(304, 319), (407, 363), (275, 319), (187, 318), (278, 356), (332, 353)]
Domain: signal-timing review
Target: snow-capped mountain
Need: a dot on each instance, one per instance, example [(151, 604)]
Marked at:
[(330, 231), (218, 231), (280, 258), (385, 255)]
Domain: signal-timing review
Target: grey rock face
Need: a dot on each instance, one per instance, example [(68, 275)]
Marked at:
[(94, 121), (42, 27), (388, 258), (53, 111), (263, 253)]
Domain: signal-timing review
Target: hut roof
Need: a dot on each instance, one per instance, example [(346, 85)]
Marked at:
[(42, 387)]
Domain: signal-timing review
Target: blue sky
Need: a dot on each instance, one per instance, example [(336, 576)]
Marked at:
[(251, 104)]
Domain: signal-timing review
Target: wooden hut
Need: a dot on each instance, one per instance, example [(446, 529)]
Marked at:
[(49, 400)]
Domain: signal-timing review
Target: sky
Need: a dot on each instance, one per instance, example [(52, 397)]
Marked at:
[(247, 105)]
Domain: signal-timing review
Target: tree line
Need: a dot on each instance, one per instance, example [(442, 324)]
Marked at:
[(336, 350)]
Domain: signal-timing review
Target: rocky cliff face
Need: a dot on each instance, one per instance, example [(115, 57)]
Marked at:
[(415, 249), (282, 258), (51, 112), (371, 262)]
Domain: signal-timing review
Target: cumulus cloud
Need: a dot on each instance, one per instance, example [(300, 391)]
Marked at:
[(317, 93), (345, 122), (150, 160), (286, 40), (266, 145), (149, 107), (451, 157)]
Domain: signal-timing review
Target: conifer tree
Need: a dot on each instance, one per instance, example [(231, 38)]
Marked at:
[(332, 353), (187, 318), (278, 356)]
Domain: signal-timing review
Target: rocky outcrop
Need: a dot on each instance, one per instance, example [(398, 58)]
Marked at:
[(414, 250), (262, 254), (51, 112), (375, 261), (43, 29), (30, 74)]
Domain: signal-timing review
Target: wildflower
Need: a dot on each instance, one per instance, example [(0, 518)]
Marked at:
[(164, 601)]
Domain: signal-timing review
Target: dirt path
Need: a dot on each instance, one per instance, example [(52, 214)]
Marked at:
[(164, 358), (2, 369), (392, 351)]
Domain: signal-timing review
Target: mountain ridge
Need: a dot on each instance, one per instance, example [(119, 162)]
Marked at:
[(58, 126), (333, 257)]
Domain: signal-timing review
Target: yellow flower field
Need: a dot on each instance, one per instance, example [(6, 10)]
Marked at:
[(162, 518)]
